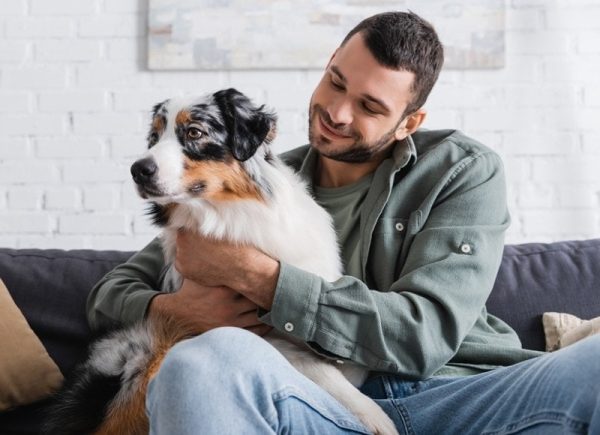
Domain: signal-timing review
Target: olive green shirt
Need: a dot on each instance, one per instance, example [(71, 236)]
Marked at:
[(431, 240), (344, 205)]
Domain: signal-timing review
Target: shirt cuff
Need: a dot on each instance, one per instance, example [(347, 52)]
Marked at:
[(135, 306), (296, 302)]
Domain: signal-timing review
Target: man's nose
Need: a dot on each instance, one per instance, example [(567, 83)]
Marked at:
[(340, 112), (143, 170)]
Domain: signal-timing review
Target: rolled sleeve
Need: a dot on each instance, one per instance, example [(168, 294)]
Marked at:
[(296, 302), (122, 296)]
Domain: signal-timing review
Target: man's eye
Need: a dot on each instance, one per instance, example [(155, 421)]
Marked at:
[(367, 109), (337, 86), (193, 133)]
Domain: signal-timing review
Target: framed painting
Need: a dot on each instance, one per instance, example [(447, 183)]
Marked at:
[(302, 34)]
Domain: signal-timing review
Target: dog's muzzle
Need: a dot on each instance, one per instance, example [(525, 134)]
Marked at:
[(144, 171)]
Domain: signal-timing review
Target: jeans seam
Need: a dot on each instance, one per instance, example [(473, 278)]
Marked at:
[(387, 387), (404, 415), (551, 417), (341, 422), (402, 411), (272, 419)]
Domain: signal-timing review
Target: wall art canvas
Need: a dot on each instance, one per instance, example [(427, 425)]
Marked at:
[(302, 34)]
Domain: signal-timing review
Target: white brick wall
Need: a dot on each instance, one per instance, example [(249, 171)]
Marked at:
[(75, 96)]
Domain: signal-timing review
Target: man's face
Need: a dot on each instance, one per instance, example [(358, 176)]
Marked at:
[(356, 109)]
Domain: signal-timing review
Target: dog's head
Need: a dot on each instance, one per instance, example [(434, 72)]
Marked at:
[(200, 148)]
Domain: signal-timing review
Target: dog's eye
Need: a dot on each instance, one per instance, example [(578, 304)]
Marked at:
[(193, 133)]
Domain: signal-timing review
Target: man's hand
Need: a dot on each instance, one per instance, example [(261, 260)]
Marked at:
[(211, 263), (204, 308)]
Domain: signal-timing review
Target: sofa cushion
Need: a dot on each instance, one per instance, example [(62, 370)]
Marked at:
[(535, 278), (563, 329), (27, 373), (51, 287)]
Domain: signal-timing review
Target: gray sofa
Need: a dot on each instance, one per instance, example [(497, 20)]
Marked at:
[(50, 287)]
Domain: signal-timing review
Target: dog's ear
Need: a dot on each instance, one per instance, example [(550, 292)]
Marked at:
[(159, 108), (247, 126)]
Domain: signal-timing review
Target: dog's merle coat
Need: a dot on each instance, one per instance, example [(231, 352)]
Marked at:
[(208, 169)]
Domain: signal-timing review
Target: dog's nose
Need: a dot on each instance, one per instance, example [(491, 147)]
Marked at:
[(143, 170)]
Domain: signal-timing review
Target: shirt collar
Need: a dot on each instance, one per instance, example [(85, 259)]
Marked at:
[(404, 153)]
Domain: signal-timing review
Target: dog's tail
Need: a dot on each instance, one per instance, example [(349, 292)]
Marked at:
[(106, 394)]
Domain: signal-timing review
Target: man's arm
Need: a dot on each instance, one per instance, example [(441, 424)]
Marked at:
[(129, 293), (122, 296), (419, 324)]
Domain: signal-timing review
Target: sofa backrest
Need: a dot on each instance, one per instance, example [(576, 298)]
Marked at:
[(51, 288), (539, 277)]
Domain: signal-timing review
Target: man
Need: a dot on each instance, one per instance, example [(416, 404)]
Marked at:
[(421, 217)]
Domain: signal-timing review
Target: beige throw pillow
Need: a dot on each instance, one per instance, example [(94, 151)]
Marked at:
[(27, 373), (562, 329)]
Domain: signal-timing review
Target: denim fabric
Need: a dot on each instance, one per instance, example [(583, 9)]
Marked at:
[(229, 381), (556, 393)]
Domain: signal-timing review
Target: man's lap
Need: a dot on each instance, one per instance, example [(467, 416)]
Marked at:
[(554, 393), (231, 381)]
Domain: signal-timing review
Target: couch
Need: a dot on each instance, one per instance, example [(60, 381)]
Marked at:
[(50, 288)]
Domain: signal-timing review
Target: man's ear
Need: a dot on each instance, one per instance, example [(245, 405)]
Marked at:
[(247, 126), (410, 124)]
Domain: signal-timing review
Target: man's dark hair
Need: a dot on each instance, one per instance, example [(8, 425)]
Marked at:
[(404, 41)]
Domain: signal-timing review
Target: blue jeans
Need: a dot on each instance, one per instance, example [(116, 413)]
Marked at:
[(229, 381)]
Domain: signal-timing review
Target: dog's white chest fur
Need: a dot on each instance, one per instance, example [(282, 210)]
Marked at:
[(289, 226)]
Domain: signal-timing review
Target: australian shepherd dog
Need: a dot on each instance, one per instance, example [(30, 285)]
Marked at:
[(209, 169)]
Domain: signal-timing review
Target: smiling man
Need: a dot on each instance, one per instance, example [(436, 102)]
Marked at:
[(420, 216), (358, 110)]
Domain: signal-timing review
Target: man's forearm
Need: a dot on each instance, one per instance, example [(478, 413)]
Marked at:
[(123, 295), (259, 281)]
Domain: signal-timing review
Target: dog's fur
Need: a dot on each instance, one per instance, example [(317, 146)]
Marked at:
[(209, 169)]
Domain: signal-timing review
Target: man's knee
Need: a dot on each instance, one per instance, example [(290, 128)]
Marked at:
[(583, 355), (577, 367), (214, 354), (227, 340)]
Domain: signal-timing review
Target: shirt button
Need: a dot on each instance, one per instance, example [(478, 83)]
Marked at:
[(465, 248), (399, 226), (289, 327)]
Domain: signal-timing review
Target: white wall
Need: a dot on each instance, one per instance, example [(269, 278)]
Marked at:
[(75, 97)]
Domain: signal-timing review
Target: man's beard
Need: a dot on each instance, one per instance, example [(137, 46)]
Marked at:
[(358, 152)]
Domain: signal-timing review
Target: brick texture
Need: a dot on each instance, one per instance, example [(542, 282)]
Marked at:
[(75, 96)]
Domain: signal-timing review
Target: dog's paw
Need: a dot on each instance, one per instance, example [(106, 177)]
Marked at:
[(375, 419)]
